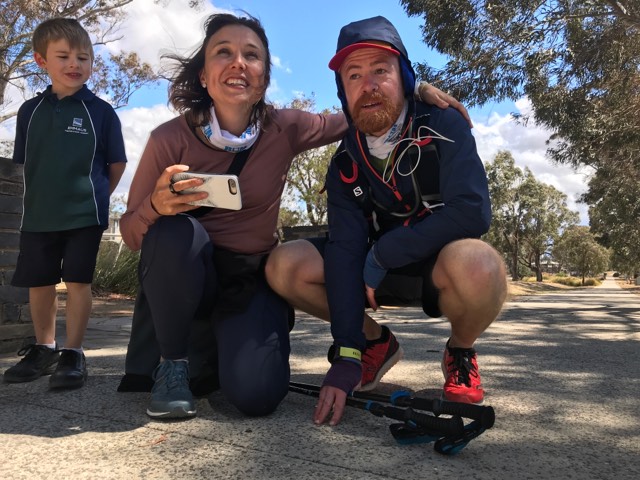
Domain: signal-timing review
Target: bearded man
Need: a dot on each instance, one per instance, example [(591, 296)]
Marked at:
[(407, 203)]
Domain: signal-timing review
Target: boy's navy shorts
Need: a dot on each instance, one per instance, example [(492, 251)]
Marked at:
[(47, 257), (408, 285)]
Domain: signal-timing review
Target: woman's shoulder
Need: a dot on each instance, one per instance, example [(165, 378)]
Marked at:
[(176, 123)]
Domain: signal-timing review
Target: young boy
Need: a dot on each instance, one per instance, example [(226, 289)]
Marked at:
[(71, 145)]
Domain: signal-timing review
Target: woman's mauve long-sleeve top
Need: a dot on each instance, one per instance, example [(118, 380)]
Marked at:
[(251, 230)]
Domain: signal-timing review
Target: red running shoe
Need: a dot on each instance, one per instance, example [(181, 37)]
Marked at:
[(462, 379), (378, 358)]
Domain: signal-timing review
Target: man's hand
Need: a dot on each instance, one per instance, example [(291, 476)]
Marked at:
[(343, 377), (373, 275), (331, 403), (371, 297)]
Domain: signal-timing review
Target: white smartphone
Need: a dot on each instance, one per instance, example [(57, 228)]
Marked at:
[(223, 189)]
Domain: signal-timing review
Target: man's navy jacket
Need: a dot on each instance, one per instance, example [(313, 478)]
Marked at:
[(466, 212)]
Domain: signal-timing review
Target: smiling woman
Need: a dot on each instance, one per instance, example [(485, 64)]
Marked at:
[(215, 253)]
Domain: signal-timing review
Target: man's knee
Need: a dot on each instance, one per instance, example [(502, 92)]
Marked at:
[(470, 272), (291, 262), (470, 261)]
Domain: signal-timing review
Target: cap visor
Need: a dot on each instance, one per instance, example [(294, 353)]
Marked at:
[(339, 57)]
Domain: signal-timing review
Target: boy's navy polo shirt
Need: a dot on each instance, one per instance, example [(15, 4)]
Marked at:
[(66, 147)]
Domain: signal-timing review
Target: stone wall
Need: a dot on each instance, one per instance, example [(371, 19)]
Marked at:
[(15, 321)]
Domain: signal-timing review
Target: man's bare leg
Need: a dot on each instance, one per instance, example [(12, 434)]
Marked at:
[(295, 270)]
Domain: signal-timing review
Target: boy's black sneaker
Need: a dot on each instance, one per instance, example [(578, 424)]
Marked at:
[(38, 360), (71, 371)]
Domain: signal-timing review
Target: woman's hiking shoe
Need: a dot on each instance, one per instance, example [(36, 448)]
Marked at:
[(71, 371), (38, 360), (170, 395), (202, 385), (378, 358), (462, 378)]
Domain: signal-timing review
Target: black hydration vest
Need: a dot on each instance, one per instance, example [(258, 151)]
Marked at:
[(425, 179)]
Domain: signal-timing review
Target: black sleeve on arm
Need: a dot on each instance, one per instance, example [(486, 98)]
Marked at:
[(344, 262)]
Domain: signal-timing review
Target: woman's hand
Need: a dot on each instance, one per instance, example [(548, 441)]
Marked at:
[(166, 198), (434, 96)]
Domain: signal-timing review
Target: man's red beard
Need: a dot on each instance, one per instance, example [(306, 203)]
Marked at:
[(378, 121)]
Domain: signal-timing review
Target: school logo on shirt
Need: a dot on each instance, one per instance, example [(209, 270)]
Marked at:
[(76, 127)]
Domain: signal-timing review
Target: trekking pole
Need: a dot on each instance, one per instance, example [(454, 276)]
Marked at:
[(426, 429), (402, 398), (441, 427), (485, 415)]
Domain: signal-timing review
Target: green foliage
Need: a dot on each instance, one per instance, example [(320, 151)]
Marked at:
[(116, 74), (304, 204), (528, 215), (574, 281), (578, 250), (116, 269), (564, 279), (579, 64)]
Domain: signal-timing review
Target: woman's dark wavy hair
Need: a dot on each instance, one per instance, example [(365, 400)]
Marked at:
[(188, 96)]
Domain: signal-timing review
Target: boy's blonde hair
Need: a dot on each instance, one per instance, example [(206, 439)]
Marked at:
[(55, 29)]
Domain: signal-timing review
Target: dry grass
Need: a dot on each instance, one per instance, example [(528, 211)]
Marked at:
[(114, 305), (532, 288), (631, 287)]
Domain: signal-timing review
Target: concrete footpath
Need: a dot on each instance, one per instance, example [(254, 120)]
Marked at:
[(560, 369)]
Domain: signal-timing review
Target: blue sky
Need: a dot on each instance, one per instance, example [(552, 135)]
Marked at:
[(303, 38)]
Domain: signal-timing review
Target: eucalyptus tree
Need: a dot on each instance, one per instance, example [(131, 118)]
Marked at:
[(305, 181), (578, 250), (527, 215), (578, 62), (116, 75)]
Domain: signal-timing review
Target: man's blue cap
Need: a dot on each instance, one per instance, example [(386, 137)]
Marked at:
[(362, 34)]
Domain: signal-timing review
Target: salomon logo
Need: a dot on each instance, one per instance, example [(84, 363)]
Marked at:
[(357, 191)]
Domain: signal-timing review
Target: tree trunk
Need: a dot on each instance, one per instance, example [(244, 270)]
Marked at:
[(515, 276)]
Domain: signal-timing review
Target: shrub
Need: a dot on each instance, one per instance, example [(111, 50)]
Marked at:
[(116, 269), (575, 281)]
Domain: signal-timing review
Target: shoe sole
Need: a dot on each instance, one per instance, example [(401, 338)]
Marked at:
[(393, 359), (462, 399), (178, 412), (48, 371)]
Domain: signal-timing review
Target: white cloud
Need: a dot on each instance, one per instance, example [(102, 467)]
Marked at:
[(153, 28), (137, 123), (528, 146), (277, 63)]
